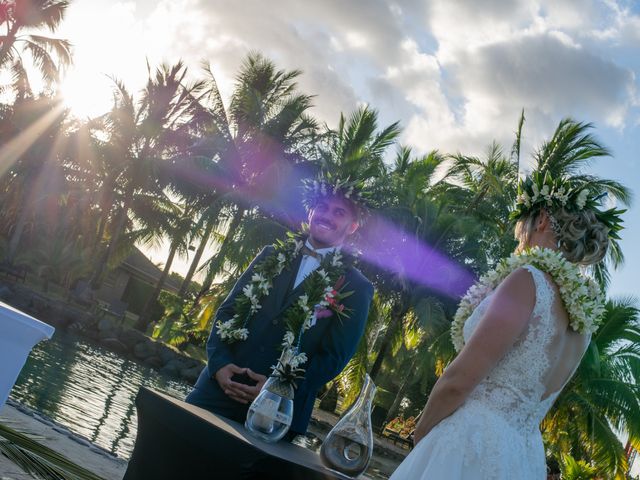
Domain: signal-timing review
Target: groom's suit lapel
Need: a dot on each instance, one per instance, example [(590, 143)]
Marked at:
[(291, 293), (283, 287)]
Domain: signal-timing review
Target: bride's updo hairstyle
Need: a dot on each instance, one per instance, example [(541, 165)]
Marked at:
[(581, 237)]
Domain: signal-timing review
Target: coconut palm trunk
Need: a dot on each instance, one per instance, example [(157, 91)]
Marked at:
[(219, 258), (17, 233), (145, 317), (196, 260), (398, 313), (98, 274)]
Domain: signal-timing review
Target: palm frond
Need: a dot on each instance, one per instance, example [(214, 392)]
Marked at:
[(39, 460)]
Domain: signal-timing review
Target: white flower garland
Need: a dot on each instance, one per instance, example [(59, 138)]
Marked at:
[(299, 316), (581, 295)]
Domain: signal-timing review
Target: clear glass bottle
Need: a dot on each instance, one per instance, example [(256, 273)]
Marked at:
[(270, 414), (349, 445)]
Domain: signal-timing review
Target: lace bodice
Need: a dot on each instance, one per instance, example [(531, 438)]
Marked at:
[(495, 434), (515, 387)]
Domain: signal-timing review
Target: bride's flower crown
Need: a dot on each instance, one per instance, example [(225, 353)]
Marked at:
[(540, 191)]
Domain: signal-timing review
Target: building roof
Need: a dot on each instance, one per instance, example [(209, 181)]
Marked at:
[(142, 267)]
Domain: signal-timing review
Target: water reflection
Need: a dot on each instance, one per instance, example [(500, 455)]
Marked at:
[(89, 390)]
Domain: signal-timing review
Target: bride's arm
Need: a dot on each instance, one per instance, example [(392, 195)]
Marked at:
[(503, 322)]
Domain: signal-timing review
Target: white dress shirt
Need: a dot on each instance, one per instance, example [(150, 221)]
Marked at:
[(309, 263)]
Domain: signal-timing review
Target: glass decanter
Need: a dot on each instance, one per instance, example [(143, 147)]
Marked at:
[(269, 416), (349, 445)]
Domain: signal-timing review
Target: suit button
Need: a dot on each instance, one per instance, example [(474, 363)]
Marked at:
[(275, 322)]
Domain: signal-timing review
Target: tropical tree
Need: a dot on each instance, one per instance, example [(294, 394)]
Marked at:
[(568, 152), (140, 137), (252, 146), (603, 398), (34, 135), (49, 55), (177, 228), (415, 217), (484, 190)]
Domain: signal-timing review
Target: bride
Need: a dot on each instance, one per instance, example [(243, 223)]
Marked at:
[(521, 333)]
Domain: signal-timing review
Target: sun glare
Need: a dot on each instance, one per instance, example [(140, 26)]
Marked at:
[(87, 95)]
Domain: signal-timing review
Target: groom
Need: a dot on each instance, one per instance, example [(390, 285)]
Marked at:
[(235, 372)]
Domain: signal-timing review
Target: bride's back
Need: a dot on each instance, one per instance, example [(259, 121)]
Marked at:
[(526, 381), (566, 347)]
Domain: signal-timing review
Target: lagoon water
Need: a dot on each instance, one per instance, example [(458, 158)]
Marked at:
[(89, 390)]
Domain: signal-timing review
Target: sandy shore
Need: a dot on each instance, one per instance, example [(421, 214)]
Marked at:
[(54, 436)]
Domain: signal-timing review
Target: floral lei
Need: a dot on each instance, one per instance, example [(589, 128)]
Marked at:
[(321, 293), (582, 297)]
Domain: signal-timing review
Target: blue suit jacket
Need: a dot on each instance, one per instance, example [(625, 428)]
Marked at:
[(329, 344)]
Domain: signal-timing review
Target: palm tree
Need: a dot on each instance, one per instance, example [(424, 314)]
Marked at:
[(603, 398), (28, 15), (484, 190), (356, 149), (252, 145), (177, 229), (33, 133), (570, 149), (140, 137), (417, 207)]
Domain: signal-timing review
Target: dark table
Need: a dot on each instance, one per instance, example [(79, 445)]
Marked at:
[(177, 440)]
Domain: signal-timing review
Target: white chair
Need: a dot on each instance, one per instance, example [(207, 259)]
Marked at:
[(19, 333)]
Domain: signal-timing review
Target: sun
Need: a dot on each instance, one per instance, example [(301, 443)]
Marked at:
[(87, 94)]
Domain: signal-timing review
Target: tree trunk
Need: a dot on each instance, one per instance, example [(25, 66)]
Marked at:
[(196, 260), (395, 406), (106, 205), (145, 317), (17, 233), (206, 285), (396, 317), (96, 278)]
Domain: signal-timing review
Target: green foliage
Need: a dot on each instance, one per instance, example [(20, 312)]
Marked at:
[(573, 469), (177, 327), (38, 460), (603, 397)]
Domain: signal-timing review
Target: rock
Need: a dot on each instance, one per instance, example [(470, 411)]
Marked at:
[(174, 367), (106, 324), (114, 345), (166, 353), (145, 350), (191, 374), (153, 362), (102, 334), (132, 337), (5, 293)]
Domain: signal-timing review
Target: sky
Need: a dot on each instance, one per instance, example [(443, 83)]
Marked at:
[(455, 73)]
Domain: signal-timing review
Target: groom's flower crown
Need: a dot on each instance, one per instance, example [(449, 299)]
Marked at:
[(325, 185), (540, 191)]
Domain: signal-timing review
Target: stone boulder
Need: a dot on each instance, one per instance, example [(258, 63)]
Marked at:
[(114, 345), (132, 337), (153, 362), (106, 324), (145, 349), (191, 374)]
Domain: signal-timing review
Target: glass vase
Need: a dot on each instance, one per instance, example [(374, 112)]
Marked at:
[(349, 445), (269, 416)]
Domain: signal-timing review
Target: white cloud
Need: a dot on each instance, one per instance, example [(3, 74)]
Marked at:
[(455, 73)]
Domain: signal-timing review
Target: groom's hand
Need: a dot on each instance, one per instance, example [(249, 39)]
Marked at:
[(255, 390), (233, 390)]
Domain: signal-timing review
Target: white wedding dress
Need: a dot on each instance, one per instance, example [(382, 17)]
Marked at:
[(495, 434)]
